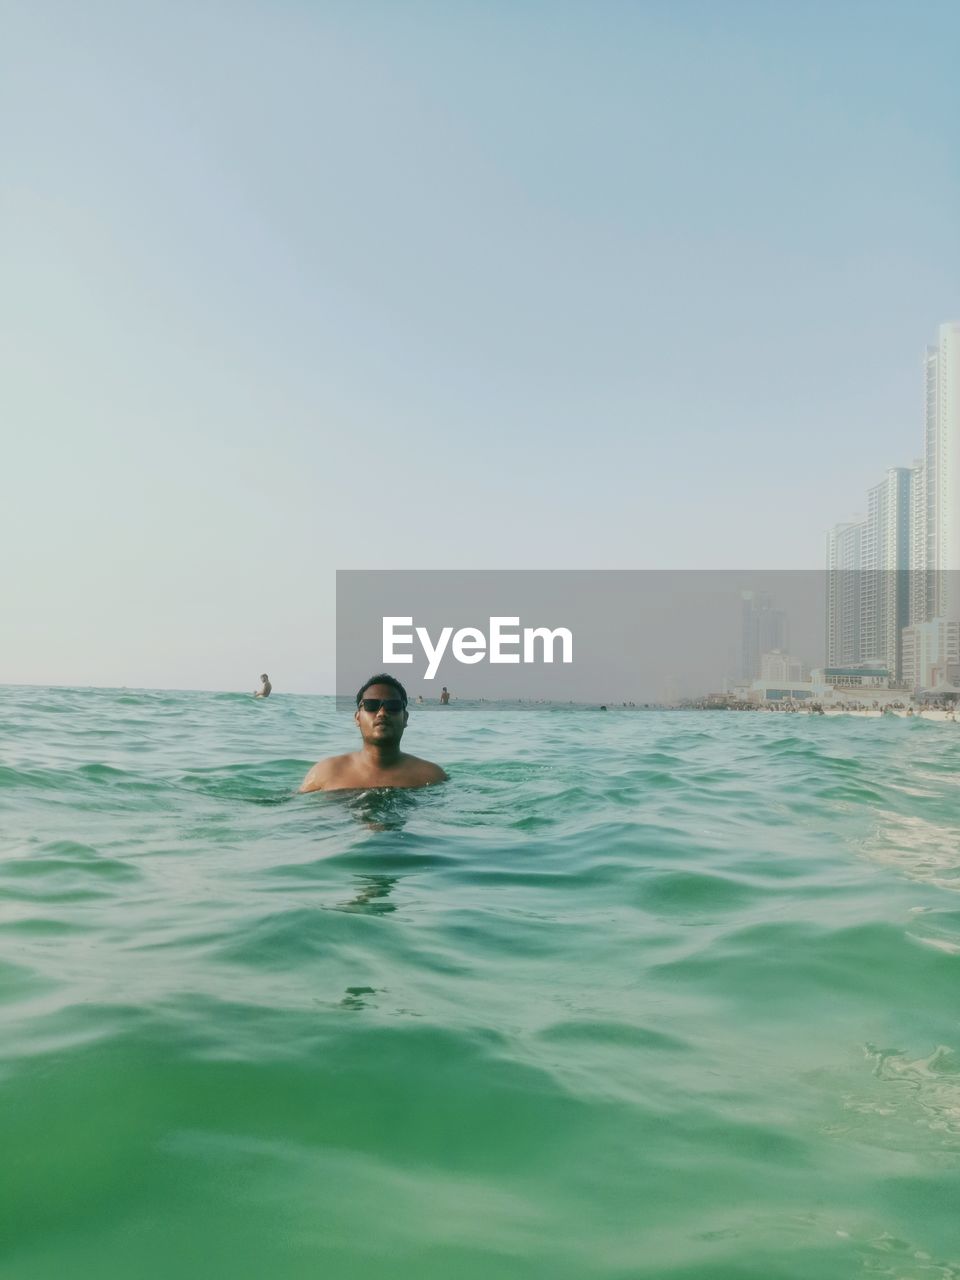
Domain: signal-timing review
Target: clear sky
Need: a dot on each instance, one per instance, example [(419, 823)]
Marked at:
[(292, 287)]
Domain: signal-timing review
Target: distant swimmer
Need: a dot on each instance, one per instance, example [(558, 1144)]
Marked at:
[(266, 688), (381, 717), (444, 695)]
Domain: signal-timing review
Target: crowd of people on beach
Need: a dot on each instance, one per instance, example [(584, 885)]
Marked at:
[(940, 709)]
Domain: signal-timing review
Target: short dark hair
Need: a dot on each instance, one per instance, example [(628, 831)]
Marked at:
[(383, 678)]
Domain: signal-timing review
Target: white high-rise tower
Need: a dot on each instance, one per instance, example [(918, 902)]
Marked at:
[(844, 581), (918, 542), (942, 474), (885, 589)]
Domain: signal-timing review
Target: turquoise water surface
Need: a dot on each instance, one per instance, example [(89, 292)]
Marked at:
[(636, 994)]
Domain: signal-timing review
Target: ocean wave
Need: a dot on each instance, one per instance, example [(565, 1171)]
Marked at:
[(596, 1007)]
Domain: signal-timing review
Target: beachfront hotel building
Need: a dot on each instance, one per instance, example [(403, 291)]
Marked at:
[(931, 654), (777, 667), (899, 567)]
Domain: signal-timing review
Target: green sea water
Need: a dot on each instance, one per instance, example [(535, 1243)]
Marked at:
[(636, 994)]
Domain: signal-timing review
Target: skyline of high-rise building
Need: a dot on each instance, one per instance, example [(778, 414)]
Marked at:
[(899, 566)]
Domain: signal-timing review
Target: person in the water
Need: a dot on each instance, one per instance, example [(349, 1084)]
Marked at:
[(381, 717), (265, 689)]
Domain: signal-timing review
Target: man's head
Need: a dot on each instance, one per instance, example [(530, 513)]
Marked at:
[(382, 709), (265, 678)]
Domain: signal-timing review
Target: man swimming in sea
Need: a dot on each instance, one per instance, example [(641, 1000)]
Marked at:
[(381, 716), (265, 687)]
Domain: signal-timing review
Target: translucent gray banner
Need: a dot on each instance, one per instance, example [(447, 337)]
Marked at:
[(642, 637)]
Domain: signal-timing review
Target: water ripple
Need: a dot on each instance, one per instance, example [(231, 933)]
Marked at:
[(596, 1008)]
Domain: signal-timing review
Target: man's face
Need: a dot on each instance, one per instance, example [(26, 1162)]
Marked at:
[(381, 726)]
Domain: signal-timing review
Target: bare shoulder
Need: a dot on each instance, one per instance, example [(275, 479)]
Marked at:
[(425, 771), (325, 772)]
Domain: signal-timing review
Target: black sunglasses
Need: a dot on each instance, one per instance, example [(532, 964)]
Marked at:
[(392, 706)]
